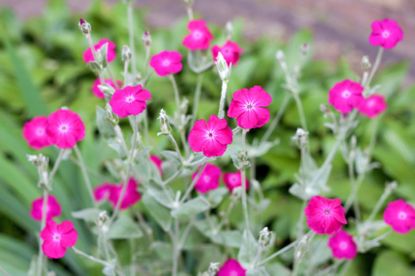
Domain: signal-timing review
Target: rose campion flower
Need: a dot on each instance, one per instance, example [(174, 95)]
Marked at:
[(230, 51), (231, 268), (346, 95), (324, 215), (342, 245), (53, 208), (233, 180), (65, 128), (130, 100), (208, 179), (157, 161), (57, 238), (248, 107), (400, 216), (35, 134), (131, 196), (102, 192), (89, 57), (199, 37), (97, 91), (210, 137), (166, 63), (372, 106), (385, 33)]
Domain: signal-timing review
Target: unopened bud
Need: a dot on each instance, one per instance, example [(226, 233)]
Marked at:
[(366, 65), (84, 26), (147, 39), (125, 53), (300, 137), (164, 123), (305, 49), (223, 69), (265, 237), (213, 269), (279, 55), (229, 29)]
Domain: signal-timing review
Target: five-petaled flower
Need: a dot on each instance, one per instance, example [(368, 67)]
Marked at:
[(199, 37), (233, 180), (346, 95), (53, 208), (130, 100), (324, 215), (248, 107), (208, 179), (400, 215), (342, 245), (385, 33), (372, 106), (230, 51), (210, 137), (166, 63), (34, 132), (57, 238), (231, 268), (65, 128), (89, 55)]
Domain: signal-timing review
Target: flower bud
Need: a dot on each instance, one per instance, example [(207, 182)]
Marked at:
[(366, 65), (265, 237), (229, 29), (213, 269), (301, 137), (147, 39), (84, 26), (164, 123), (126, 53), (223, 69)]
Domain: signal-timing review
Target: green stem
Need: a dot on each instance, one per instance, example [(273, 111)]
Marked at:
[(375, 67), (276, 120), (196, 100), (300, 110), (193, 183), (85, 174), (130, 16), (221, 112), (243, 179), (175, 90), (278, 253), (89, 257)]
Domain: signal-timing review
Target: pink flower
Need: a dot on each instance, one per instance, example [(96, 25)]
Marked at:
[(231, 268), (400, 216), (372, 106), (131, 195), (210, 137), (89, 57), (34, 132), (57, 238), (234, 180), (324, 215), (103, 191), (166, 63), (97, 91), (342, 245), (208, 179), (199, 37), (346, 95), (385, 33), (53, 208), (65, 128), (157, 161), (230, 51), (130, 100), (248, 107)]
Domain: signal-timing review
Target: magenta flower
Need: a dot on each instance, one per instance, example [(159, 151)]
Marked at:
[(233, 180), (210, 137), (231, 268), (53, 208), (199, 37), (372, 106), (346, 95), (166, 63), (324, 215), (157, 161), (35, 134), (65, 128), (230, 51), (103, 192), (130, 100), (385, 33), (342, 245), (89, 57), (208, 179), (400, 216), (131, 195), (97, 91), (57, 238), (248, 107)]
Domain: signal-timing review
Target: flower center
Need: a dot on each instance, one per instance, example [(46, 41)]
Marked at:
[(206, 178), (40, 131), (386, 34), (234, 179), (327, 212), (402, 215), (129, 99), (166, 62), (249, 106), (197, 34), (63, 128), (56, 237), (346, 94), (343, 245), (210, 134)]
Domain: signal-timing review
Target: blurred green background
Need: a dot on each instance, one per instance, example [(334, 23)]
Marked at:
[(41, 69)]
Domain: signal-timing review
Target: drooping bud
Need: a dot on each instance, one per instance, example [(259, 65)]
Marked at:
[(84, 26)]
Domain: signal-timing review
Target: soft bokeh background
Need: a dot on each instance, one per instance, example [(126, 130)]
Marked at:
[(41, 69)]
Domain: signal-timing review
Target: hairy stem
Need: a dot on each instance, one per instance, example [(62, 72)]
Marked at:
[(221, 112), (85, 175)]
